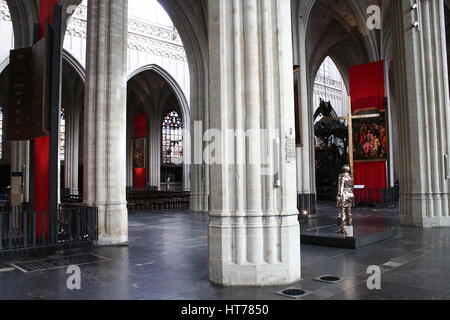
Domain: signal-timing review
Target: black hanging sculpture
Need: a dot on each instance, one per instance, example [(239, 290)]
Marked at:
[(331, 150)]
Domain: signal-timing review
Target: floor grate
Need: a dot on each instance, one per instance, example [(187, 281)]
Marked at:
[(329, 279), (59, 262), (293, 293)]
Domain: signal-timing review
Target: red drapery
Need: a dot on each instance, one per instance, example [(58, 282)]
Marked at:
[(42, 144), (140, 131), (373, 176), (367, 89)]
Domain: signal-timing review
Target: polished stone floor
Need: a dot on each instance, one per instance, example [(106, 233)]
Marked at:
[(167, 259)]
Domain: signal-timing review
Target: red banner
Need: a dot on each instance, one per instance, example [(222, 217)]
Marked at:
[(140, 131), (367, 89), (42, 145)]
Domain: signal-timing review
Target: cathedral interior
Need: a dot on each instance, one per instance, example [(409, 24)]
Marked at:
[(225, 149)]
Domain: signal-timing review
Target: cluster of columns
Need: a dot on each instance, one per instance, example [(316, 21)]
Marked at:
[(254, 234), (72, 149), (306, 179), (105, 118), (422, 90)]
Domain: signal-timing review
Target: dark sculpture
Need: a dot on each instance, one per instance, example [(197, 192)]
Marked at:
[(331, 150)]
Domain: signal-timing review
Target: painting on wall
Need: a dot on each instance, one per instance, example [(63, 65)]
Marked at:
[(139, 151), (370, 139)]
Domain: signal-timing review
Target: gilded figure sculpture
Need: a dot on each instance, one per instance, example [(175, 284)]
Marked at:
[(345, 199)]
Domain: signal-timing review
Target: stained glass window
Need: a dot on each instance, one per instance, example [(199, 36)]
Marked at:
[(172, 139), (62, 132), (1, 132)]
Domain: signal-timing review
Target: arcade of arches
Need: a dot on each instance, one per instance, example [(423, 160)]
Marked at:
[(228, 66)]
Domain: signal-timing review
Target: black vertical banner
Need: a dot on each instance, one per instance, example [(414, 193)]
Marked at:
[(18, 112), (55, 113), (41, 77)]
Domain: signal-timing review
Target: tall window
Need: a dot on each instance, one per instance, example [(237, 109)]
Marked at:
[(172, 140), (1, 132), (329, 86), (62, 136)]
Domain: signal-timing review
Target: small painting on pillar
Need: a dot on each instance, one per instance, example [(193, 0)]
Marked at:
[(139, 151)]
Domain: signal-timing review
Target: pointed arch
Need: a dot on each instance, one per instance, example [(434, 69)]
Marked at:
[(75, 64), (179, 94)]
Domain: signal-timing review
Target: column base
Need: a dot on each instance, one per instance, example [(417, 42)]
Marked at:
[(280, 247), (425, 222), (307, 202), (256, 275), (105, 241), (425, 211), (112, 225), (199, 202)]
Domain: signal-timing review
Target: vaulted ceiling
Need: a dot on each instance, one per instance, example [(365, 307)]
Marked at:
[(149, 92), (338, 28)]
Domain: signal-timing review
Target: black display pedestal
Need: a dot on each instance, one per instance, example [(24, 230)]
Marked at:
[(367, 231), (307, 202)]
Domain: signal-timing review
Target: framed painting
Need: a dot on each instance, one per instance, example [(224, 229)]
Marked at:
[(139, 152), (370, 139)]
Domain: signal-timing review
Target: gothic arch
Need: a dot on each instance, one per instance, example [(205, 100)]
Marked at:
[(173, 84), (3, 102), (190, 19), (4, 64), (24, 15), (75, 64), (153, 91)]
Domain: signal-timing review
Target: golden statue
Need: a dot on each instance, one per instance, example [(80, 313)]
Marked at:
[(345, 199)]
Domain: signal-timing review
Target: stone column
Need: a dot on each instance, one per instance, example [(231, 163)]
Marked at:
[(423, 112), (306, 179), (19, 155), (254, 234), (186, 153), (105, 118), (155, 149), (391, 175), (71, 163), (199, 171)]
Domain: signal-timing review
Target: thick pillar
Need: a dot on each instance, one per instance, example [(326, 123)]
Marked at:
[(254, 234), (105, 118), (423, 112)]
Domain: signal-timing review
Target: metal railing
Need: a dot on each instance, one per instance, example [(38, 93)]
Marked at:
[(158, 200), (378, 197), (22, 228)]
